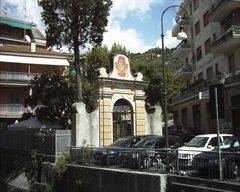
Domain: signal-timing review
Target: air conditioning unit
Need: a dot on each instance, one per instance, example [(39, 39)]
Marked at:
[(25, 90)]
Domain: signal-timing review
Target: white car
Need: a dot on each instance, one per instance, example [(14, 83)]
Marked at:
[(196, 145)]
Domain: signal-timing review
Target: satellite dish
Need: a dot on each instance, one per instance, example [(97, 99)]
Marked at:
[(27, 38)]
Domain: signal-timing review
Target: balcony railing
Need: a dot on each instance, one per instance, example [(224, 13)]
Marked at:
[(219, 10), (6, 76), (184, 71), (233, 31), (194, 91), (14, 110), (185, 23), (182, 49), (233, 78)]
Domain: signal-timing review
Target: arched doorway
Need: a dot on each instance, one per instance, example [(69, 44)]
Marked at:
[(122, 119)]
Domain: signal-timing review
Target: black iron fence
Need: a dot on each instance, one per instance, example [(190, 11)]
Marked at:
[(192, 163)]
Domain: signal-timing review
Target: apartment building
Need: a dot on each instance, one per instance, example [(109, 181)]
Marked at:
[(211, 56), (23, 54)]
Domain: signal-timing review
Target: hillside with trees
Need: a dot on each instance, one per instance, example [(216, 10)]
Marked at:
[(150, 65)]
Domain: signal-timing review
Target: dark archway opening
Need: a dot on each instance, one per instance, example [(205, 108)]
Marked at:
[(122, 119)]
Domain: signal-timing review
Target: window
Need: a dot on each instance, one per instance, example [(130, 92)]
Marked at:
[(209, 73), (199, 53), (205, 19), (190, 9), (15, 67), (197, 28), (193, 57), (213, 142), (214, 36), (207, 47), (14, 98), (50, 67), (184, 117), (216, 68), (200, 75), (188, 84), (196, 4), (231, 63)]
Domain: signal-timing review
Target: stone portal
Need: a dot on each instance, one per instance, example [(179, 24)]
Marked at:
[(120, 111), (121, 99)]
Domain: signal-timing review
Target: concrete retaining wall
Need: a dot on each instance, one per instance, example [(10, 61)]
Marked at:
[(101, 180)]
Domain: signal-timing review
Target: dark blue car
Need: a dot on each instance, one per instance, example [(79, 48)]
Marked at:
[(109, 155)]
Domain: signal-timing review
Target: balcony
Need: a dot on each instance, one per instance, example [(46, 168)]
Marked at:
[(182, 50), (184, 72), (176, 28), (193, 92), (16, 77), (226, 40), (222, 9), (233, 78), (14, 110)]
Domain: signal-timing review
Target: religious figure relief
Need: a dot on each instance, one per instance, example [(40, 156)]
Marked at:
[(121, 66)]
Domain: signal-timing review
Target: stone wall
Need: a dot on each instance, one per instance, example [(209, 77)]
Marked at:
[(86, 127), (101, 179)]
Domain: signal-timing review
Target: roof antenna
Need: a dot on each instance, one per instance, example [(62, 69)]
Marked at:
[(24, 14), (5, 9)]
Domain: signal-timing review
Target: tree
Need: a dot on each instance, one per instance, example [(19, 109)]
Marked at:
[(74, 23), (152, 72), (100, 57), (56, 92)]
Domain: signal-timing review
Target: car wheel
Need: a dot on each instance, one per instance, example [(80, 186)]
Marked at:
[(233, 170)]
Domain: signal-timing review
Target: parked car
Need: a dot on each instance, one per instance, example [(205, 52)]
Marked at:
[(198, 144), (148, 150), (175, 130), (207, 163), (101, 153), (188, 133)]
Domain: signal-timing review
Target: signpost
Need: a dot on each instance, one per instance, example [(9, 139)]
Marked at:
[(213, 95)]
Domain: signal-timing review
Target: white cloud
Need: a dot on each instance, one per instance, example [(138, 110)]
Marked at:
[(169, 41), (140, 7), (129, 37)]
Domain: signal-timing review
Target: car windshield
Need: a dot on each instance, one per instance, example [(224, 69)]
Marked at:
[(229, 143), (146, 143), (197, 142), (122, 141)]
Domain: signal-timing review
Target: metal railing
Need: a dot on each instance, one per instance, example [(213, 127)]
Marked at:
[(16, 76), (150, 160), (217, 6), (58, 141), (15, 110), (233, 31), (182, 45)]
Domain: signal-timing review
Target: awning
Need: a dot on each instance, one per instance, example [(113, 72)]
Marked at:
[(33, 60), (15, 24)]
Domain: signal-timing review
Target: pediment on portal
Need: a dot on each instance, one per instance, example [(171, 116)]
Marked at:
[(120, 69)]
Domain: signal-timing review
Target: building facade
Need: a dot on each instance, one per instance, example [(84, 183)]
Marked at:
[(23, 54), (210, 59)]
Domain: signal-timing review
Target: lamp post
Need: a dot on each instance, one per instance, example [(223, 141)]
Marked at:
[(181, 36)]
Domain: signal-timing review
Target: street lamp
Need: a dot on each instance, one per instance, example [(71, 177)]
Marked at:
[(181, 36)]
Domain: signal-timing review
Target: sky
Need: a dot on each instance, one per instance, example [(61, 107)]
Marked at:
[(136, 24)]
